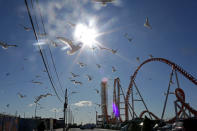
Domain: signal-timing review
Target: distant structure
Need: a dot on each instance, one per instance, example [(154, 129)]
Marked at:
[(104, 101)]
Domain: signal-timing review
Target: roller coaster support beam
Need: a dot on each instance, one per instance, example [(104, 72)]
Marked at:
[(168, 91), (141, 98)]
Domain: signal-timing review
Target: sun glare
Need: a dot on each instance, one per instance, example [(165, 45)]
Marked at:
[(85, 34)]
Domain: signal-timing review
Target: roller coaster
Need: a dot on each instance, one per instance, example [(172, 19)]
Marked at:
[(185, 110)]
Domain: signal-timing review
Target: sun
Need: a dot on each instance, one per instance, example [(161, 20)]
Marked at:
[(85, 34)]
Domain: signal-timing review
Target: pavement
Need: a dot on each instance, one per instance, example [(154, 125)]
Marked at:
[(78, 129)]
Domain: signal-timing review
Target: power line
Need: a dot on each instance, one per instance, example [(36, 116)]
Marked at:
[(42, 56), (55, 69), (43, 50)]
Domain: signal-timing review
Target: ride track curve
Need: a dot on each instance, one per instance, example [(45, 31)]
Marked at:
[(173, 65)]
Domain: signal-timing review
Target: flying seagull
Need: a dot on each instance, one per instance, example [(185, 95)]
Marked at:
[(114, 51), (138, 59), (104, 2), (89, 77), (20, 95), (8, 105), (126, 36), (7, 74), (108, 49), (81, 64), (38, 76), (151, 56), (78, 82), (53, 43), (26, 28), (5, 45), (98, 104), (147, 24), (97, 91), (74, 75), (36, 82), (98, 65), (69, 43), (41, 96), (113, 69), (42, 34), (72, 80), (93, 48), (71, 24)]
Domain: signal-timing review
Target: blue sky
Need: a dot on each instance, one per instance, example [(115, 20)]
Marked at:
[(173, 36)]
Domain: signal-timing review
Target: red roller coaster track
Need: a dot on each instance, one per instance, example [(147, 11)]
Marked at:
[(173, 65)]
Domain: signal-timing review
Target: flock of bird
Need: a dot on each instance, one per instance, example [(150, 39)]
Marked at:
[(73, 49)]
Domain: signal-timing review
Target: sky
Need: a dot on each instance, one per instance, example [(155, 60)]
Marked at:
[(173, 37)]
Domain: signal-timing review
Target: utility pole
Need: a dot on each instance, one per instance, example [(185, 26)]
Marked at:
[(65, 108), (36, 109)]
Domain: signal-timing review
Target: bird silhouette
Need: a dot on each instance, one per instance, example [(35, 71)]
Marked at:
[(69, 43), (78, 82), (25, 28), (5, 45), (71, 24), (114, 51), (53, 43), (74, 75), (8, 105), (89, 77), (37, 82), (104, 2), (113, 69), (20, 95), (42, 34), (147, 24), (128, 38), (151, 56), (81, 64), (98, 66), (138, 59), (97, 91)]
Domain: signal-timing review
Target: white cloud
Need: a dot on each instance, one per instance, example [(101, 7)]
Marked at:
[(56, 110), (83, 103)]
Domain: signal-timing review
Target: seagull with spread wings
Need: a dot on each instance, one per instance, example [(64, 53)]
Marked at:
[(20, 95), (97, 91), (151, 56), (147, 24), (8, 105), (25, 28), (53, 43), (138, 59), (113, 69), (78, 82), (89, 77), (81, 64), (74, 75), (69, 43), (37, 82), (104, 2), (71, 24), (5, 45), (113, 51), (98, 66), (126, 36)]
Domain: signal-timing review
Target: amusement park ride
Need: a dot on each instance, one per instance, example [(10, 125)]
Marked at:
[(122, 106)]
